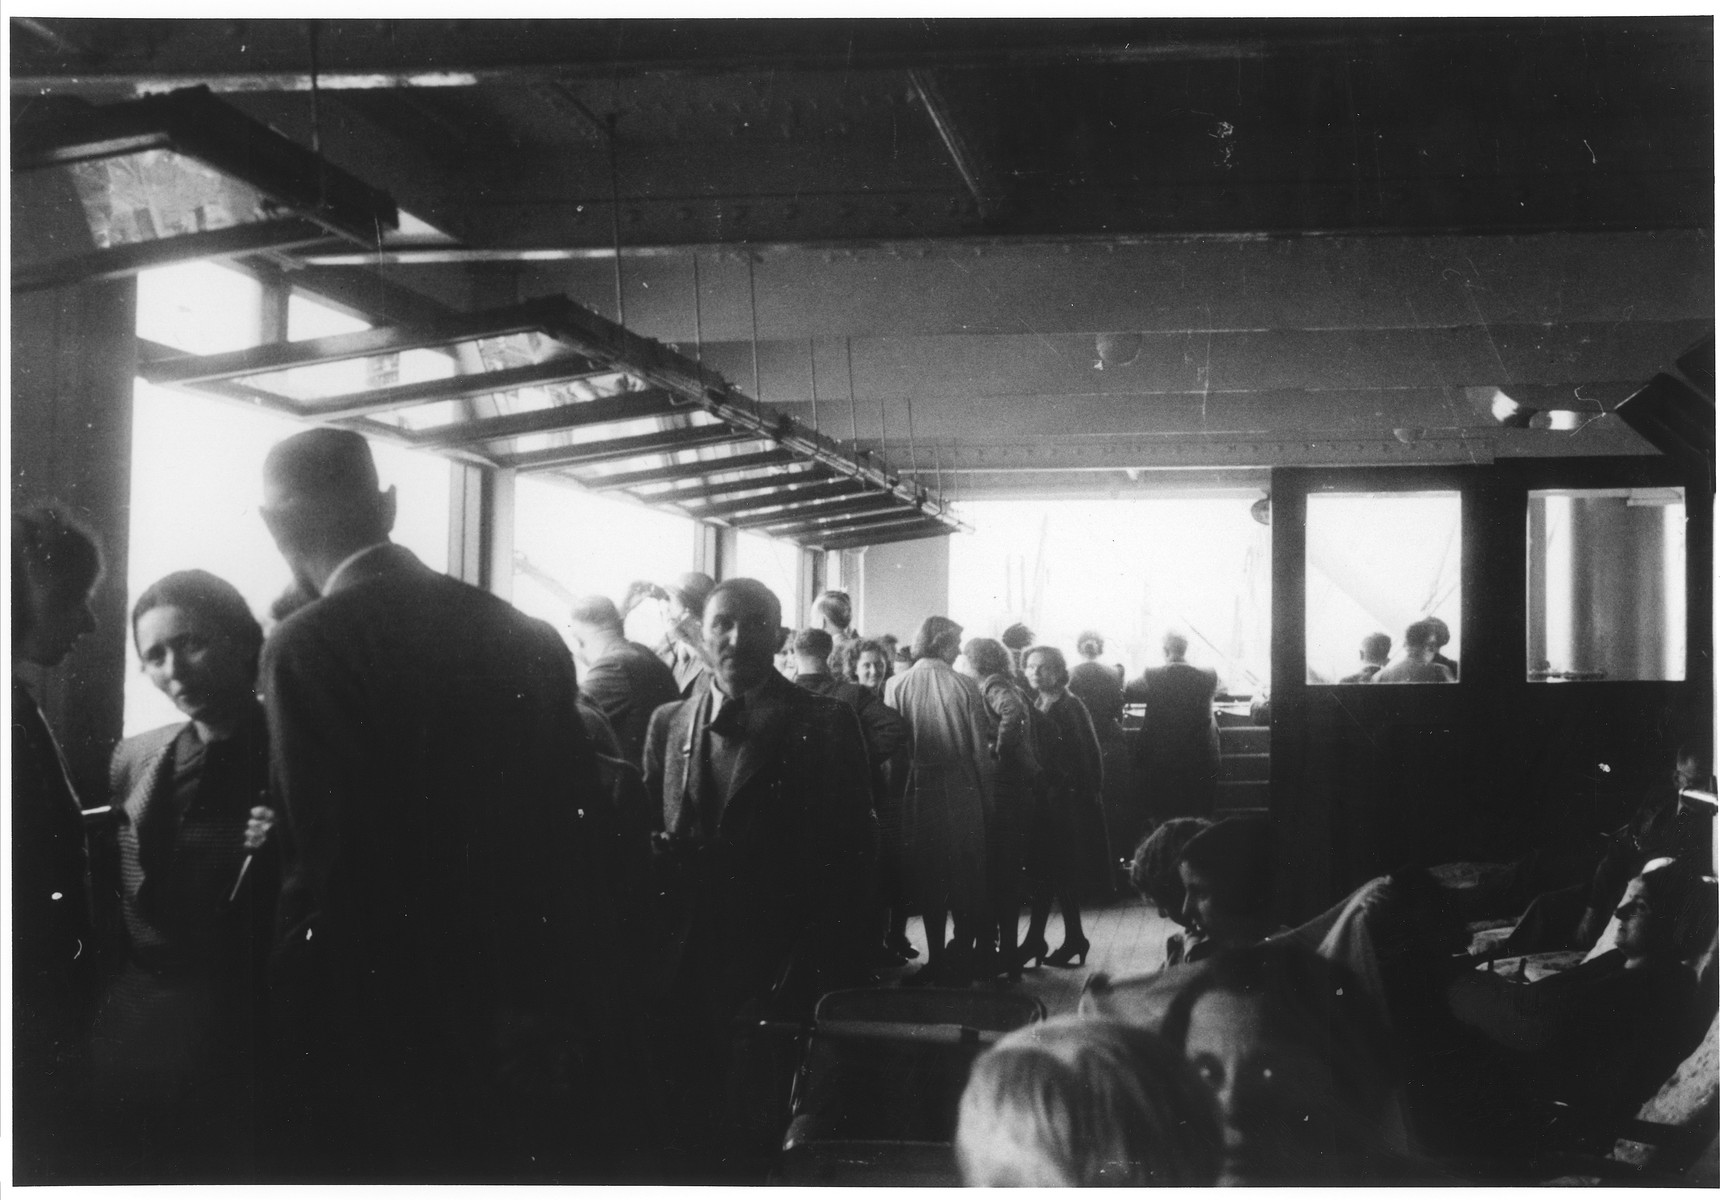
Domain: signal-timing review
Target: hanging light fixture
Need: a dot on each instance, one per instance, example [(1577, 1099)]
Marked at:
[(112, 190)]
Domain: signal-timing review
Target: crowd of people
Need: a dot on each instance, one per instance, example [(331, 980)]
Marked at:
[(422, 891)]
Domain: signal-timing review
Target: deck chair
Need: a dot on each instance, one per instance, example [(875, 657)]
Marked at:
[(1672, 1135)]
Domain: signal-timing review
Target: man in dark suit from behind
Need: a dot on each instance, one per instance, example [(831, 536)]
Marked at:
[(885, 729), (1376, 652), (883, 726), (443, 882), (1177, 746), (762, 787), (624, 679)]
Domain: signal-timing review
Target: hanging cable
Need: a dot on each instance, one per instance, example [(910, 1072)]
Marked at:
[(881, 439), (615, 217), (853, 418), (316, 115), (913, 455), (752, 298), (698, 324), (311, 34), (812, 367)]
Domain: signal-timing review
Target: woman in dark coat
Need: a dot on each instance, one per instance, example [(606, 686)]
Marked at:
[(1100, 688), (55, 567), (175, 1045), (1017, 773), (1069, 814)]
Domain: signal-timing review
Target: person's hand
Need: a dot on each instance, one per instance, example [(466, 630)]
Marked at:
[(257, 828)]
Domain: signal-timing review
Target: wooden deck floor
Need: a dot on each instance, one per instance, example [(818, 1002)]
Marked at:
[(1127, 939)]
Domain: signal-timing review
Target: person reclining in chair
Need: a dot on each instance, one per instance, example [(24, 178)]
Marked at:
[(1599, 1039)]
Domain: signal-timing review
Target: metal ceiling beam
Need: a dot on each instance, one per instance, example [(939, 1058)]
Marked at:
[(966, 162), (439, 53), (455, 387), (694, 470), (862, 540), (781, 496), (780, 481), (655, 364), (619, 449), (366, 343), (814, 514), (859, 524), (121, 261), (630, 406)]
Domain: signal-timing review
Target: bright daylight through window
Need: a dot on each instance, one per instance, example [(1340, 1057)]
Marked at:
[(1131, 569), (1384, 564), (570, 543), (197, 462)]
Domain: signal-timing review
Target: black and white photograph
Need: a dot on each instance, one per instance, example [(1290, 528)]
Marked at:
[(846, 598)]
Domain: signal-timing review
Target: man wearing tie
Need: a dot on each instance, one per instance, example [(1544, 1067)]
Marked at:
[(766, 814)]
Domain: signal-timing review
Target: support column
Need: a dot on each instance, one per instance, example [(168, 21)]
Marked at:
[(900, 584), (714, 550), (809, 581), (481, 527), (73, 362)]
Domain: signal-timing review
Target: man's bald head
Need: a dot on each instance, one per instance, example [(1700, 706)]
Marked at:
[(321, 501), (322, 466)]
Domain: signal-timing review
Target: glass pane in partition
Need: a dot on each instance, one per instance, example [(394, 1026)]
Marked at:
[(1606, 586), (775, 564), (1385, 582), (570, 543)]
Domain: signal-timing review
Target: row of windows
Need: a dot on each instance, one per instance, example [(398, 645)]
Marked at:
[(1605, 580), (1605, 568), (197, 479)]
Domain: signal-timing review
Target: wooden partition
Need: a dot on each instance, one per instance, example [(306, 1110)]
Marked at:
[(1368, 777)]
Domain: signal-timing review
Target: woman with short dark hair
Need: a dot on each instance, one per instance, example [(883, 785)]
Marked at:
[(1017, 774), (1420, 646), (1068, 811), (1155, 872), (175, 1041)]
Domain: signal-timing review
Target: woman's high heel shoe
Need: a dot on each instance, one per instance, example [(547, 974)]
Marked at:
[(1068, 953), (1032, 951)]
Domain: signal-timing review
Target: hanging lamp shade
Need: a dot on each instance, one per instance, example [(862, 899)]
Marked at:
[(100, 192)]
